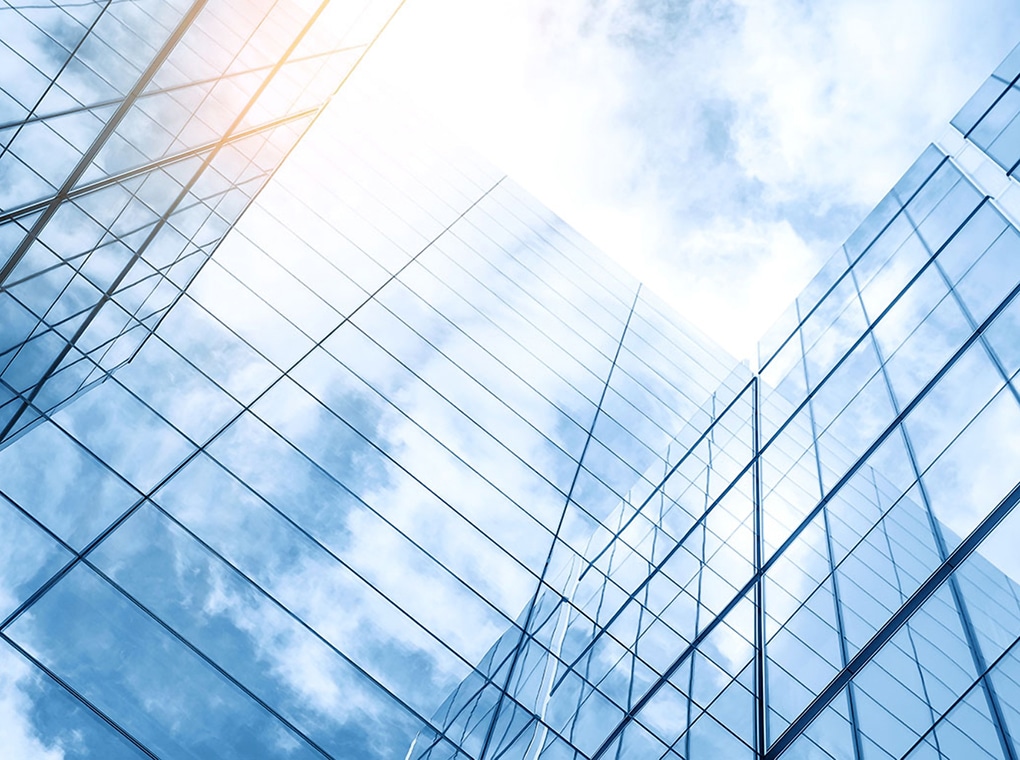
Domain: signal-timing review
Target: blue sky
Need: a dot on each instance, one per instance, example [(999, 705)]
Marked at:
[(719, 150)]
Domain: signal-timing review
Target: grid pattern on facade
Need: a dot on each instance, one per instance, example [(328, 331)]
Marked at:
[(433, 326), (132, 136), (409, 469)]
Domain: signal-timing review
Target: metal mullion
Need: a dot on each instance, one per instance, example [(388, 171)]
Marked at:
[(77, 695), (910, 632), (543, 310), (534, 599), (243, 576), (989, 109), (681, 544), (32, 118), (604, 630), (108, 130), (53, 328), (586, 676), (74, 261), (696, 520), (764, 365), (982, 676), (57, 576), (21, 123), (205, 658), (844, 654), (894, 424), (690, 717), (971, 323), (706, 435), (889, 629), (314, 114), (759, 659), (147, 168), (994, 706), (503, 329), (541, 235), (641, 628), (570, 327)]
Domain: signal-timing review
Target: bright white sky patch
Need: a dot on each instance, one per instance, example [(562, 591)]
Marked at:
[(719, 150)]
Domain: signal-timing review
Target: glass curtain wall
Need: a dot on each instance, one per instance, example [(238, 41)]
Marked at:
[(825, 567), (132, 136), (409, 469)]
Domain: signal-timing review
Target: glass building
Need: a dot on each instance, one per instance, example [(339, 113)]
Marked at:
[(132, 136), (394, 464)]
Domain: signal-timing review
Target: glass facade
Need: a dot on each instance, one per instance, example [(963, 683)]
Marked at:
[(132, 136), (408, 469)]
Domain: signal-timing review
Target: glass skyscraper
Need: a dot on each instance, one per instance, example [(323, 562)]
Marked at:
[(132, 136), (368, 455)]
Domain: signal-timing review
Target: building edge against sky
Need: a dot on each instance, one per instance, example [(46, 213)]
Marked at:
[(410, 413), (874, 453)]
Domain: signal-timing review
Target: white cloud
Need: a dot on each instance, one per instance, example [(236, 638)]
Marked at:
[(20, 741), (840, 98), (751, 271), (652, 127)]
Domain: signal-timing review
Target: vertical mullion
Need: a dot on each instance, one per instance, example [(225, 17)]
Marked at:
[(760, 696), (959, 602)]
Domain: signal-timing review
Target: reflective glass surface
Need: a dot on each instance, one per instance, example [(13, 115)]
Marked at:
[(396, 464)]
